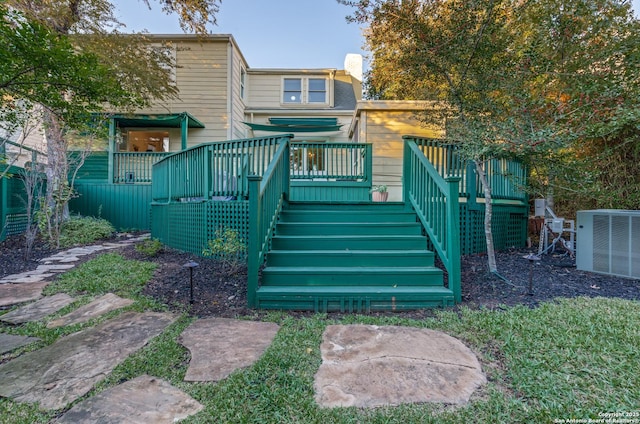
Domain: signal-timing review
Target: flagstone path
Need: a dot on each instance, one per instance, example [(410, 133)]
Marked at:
[(143, 400), (58, 374), (220, 346), (370, 366), (100, 306), (38, 310), (9, 342), (363, 366)]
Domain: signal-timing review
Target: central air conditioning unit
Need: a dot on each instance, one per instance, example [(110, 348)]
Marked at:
[(608, 242)]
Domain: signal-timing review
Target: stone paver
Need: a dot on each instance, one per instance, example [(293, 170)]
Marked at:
[(142, 400), (58, 374), (13, 294), (38, 310), (9, 342), (370, 366), (26, 277), (219, 346), (54, 268), (99, 306)]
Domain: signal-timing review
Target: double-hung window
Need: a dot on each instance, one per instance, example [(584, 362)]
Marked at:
[(292, 90), (304, 90), (317, 90)]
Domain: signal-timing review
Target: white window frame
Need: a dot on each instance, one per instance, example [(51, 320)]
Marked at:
[(243, 82), (304, 91)]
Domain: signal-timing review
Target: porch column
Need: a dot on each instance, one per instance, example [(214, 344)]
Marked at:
[(184, 129), (111, 149)]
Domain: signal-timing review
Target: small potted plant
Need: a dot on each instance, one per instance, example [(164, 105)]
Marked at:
[(379, 193)]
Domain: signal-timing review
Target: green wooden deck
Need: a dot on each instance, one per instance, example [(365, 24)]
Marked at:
[(315, 240)]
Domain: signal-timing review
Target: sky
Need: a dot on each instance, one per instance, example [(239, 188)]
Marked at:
[(272, 33)]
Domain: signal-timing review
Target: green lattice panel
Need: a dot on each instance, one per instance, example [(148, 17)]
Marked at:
[(509, 225), (232, 214), (15, 224), (186, 227)]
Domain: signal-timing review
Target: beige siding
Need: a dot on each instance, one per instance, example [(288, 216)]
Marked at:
[(201, 76), (384, 127), (238, 130), (264, 91)]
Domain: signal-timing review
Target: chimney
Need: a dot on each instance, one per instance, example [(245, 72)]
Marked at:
[(353, 65)]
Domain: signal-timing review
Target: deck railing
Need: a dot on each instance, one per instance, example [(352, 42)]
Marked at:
[(213, 170), (333, 161), (267, 194), (334, 172), (507, 177), (135, 167), (435, 200)]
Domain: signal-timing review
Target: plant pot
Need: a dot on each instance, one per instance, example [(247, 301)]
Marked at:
[(380, 197)]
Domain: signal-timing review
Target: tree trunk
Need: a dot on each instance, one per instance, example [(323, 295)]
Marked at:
[(57, 169), (488, 212)]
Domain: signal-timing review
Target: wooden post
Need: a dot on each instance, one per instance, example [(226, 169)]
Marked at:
[(184, 128), (406, 173), (254, 245), (111, 149), (453, 238)]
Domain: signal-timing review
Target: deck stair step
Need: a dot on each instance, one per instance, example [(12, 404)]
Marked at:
[(350, 257)]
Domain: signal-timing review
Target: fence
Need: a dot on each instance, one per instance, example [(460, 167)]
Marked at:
[(508, 179), (13, 194), (330, 171)]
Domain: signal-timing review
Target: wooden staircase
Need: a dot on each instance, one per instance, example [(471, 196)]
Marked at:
[(350, 258)]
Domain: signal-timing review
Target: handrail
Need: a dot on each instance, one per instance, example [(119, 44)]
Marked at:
[(267, 195), (508, 177), (435, 200), (213, 170)]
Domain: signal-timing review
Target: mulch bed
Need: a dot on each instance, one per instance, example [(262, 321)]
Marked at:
[(219, 294)]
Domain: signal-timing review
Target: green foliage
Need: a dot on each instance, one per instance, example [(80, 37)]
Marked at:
[(529, 79), (228, 248), (379, 189), (149, 247), (84, 230)]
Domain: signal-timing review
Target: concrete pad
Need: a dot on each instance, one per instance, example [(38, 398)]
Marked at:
[(142, 400), (219, 346), (9, 342), (99, 306), (370, 366), (58, 374), (13, 294), (38, 310)]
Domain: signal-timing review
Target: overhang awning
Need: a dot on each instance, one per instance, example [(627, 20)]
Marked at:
[(166, 120), (297, 125)]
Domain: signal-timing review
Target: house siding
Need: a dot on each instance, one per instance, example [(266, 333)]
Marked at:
[(383, 124), (202, 77)]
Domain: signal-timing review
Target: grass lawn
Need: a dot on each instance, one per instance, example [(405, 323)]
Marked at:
[(570, 359)]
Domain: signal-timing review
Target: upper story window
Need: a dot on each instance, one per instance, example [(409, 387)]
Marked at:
[(317, 90), (243, 80), (292, 90), (304, 90)]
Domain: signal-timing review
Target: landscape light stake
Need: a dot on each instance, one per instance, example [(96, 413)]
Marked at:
[(532, 258), (191, 264)]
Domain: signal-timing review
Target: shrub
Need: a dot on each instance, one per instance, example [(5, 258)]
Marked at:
[(228, 248), (149, 247), (84, 230)]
